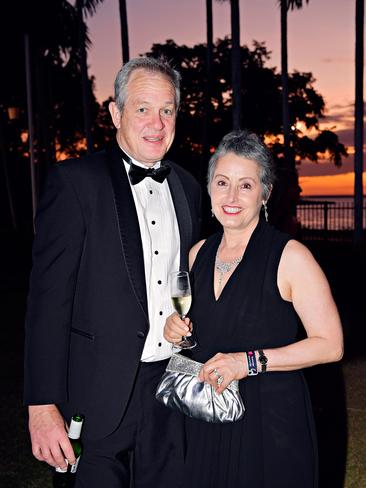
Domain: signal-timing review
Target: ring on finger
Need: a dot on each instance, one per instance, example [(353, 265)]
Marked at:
[(215, 372), (220, 379)]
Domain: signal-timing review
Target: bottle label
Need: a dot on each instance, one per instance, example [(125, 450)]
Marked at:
[(75, 429), (74, 467)]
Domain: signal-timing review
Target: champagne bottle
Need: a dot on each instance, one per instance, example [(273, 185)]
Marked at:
[(66, 478)]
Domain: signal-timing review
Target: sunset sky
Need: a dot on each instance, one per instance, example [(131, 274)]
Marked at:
[(321, 40)]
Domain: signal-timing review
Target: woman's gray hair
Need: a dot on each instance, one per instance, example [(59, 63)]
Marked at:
[(247, 145), (153, 65)]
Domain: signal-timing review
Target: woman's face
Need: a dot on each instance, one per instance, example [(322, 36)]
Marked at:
[(236, 192)]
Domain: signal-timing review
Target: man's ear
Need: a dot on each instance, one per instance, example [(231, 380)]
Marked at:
[(115, 114)]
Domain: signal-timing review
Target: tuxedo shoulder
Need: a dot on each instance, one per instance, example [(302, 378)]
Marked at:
[(87, 178), (88, 164), (87, 175)]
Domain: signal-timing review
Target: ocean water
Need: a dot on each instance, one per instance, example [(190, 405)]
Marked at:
[(331, 212)]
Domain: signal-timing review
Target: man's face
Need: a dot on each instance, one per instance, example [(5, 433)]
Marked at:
[(146, 126)]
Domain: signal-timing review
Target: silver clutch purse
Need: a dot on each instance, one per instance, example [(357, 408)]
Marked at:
[(180, 389)]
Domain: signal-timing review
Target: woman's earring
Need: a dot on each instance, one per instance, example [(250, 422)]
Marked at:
[(264, 203), (212, 214)]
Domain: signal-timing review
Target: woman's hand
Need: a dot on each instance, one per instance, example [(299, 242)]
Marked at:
[(175, 328), (222, 369)]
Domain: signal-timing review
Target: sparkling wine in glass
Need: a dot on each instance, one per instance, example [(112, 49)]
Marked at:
[(180, 289)]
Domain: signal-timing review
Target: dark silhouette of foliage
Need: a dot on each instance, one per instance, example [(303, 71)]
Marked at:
[(261, 98), (53, 33), (57, 96), (262, 113)]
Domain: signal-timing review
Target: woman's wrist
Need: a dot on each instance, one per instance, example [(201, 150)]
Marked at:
[(256, 362), (262, 360), (251, 363)]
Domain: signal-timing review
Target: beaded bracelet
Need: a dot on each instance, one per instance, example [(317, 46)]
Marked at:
[(252, 363)]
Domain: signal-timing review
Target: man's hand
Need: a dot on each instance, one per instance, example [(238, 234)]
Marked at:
[(49, 438)]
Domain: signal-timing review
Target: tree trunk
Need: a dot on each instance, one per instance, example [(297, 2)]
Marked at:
[(43, 128), (208, 90), (124, 31), (9, 193), (236, 63), (85, 84), (358, 162), (285, 90), (286, 192), (28, 74)]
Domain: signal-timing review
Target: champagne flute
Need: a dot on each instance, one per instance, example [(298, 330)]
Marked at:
[(180, 289)]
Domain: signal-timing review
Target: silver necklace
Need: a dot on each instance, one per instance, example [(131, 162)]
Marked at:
[(224, 267)]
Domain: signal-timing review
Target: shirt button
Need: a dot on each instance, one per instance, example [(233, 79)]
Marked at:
[(151, 192), (159, 282), (140, 334), (156, 252), (160, 313), (159, 344), (153, 222)]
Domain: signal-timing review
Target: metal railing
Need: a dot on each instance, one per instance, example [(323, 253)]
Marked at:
[(327, 219)]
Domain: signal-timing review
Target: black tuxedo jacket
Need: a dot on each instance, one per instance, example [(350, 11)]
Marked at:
[(87, 316)]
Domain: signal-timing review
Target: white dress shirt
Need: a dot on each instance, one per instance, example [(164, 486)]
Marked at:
[(161, 248)]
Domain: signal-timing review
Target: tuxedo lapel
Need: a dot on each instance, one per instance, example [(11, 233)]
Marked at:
[(183, 214), (128, 224)]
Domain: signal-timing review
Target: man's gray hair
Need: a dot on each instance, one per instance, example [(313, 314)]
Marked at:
[(247, 145), (153, 65)]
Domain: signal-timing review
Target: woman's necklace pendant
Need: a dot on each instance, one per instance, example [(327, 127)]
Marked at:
[(224, 267)]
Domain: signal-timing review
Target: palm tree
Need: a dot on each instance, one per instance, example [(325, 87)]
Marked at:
[(358, 163), (45, 36), (285, 6), (208, 92), (87, 7), (124, 31), (235, 63), (288, 189), (43, 33)]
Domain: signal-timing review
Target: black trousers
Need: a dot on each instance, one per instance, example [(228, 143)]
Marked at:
[(146, 451)]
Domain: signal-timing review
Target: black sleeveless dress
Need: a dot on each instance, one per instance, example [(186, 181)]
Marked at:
[(274, 445)]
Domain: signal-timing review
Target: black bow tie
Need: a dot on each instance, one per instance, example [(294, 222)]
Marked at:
[(137, 174)]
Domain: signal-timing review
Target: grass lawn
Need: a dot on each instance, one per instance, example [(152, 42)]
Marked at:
[(18, 469), (355, 380)]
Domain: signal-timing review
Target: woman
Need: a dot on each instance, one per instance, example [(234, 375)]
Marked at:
[(253, 285)]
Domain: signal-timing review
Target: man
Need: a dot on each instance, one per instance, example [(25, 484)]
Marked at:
[(109, 230)]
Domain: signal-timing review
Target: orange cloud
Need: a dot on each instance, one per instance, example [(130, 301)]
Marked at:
[(342, 184)]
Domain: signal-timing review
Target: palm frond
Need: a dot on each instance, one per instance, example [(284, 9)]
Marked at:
[(293, 4), (90, 6)]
